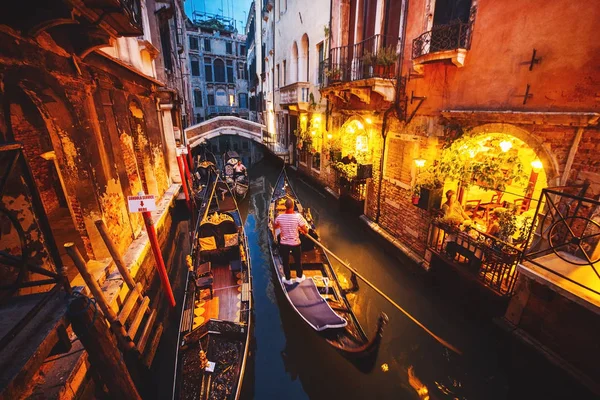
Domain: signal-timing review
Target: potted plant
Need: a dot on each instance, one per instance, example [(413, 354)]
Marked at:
[(368, 60), (334, 74), (416, 195), (385, 61)]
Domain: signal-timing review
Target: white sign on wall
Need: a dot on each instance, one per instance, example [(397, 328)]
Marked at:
[(141, 203), (182, 150)]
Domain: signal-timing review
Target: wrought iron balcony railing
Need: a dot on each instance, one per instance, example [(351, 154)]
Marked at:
[(488, 259), (225, 110), (374, 57), (441, 38)]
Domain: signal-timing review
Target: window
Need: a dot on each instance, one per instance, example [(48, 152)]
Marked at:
[(211, 99), (243, 100), (228, 48), (165, 40), (242, 50), (195, 68), (284, 73), (230, 71), (231, 100), (277, 77), (316, 161), (208, 70), (198, 118), (219, 67), (400, 160), (320, 65), (197, 98), (207, 45), (193, 43)]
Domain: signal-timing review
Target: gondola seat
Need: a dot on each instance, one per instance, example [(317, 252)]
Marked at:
[(219, 238), (314, 309)]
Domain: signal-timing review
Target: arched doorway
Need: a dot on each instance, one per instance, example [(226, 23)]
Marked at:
[(303, 60), (497, 176), (294, 67)]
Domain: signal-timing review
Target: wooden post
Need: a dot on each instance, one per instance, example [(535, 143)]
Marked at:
[(184, 182), (158, 258), (114, 252), (97, 292), (102, 349)]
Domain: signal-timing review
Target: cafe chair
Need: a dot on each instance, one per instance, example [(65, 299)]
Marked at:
[(472, 208)]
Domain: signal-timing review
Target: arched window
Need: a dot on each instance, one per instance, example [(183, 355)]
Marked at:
[(219, 67)]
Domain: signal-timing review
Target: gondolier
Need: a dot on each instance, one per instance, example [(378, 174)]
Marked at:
[(239, 168), (290, 225)]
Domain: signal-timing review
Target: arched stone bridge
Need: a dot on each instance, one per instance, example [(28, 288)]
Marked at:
[(225, 126)]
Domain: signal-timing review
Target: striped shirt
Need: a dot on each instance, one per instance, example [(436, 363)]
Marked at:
[(288, 226)]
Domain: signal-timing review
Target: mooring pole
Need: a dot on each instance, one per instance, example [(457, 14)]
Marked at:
[(114, 252), (160, 264), (190, 158), (184, 182), (104, 355)]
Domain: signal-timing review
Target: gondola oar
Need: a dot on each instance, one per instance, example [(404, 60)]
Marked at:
[(439, 339)]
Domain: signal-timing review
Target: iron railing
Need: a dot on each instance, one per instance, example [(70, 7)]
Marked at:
[(486, 258), (225, 110), (441, 38), (567, 236), (363, 60)]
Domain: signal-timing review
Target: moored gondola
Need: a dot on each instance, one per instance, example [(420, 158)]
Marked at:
[(238, 181), (319, 300), (217, 310)]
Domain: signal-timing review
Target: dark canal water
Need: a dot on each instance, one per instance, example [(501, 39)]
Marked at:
[(289, 361)]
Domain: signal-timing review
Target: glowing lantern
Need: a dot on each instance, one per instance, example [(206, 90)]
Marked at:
[(537, 165), (368, 121), (329, 136), (505, 145), (420, 162)]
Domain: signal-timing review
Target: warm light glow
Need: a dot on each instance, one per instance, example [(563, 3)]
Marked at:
[(537, 164), (329, 136), (505, 145), (362, 143), (472, 153), (313, 133), (303, 118), (420, 162), (317, 118), (385, 367), (368, 121), (359, 125), (231, 100), (350, 129)]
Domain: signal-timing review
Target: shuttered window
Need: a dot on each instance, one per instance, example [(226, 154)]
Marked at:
[(399, 160)]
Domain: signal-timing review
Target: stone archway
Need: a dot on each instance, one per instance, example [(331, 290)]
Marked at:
[(551, 165), (355, 138)]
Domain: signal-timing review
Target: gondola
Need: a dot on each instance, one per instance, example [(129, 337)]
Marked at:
[(319, 300), (237, 182), (204, 176), (217, 310)]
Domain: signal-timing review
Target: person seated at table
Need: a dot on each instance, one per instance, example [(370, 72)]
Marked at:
[(452, 209), (494, 227), (349, 159)]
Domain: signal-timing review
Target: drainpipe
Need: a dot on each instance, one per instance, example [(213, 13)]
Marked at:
[(395, 106), (571, 156)]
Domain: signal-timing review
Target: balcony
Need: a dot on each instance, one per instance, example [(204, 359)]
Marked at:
[(296, 94), (444, 42), (124, 16), (370, 65), (225, 110)]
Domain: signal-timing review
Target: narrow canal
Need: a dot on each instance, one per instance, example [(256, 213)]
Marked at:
[(292, 362), (289, 361)]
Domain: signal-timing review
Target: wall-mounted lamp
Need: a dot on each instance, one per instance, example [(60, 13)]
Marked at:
[(505, 145), (420, 162), (537, 165)]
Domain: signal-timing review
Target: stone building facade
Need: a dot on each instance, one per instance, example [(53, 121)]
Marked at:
[(218, 72), (84, 102)]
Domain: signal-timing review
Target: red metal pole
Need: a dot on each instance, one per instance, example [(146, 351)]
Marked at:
[(183, 182), (160, 264), (190, 158)]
